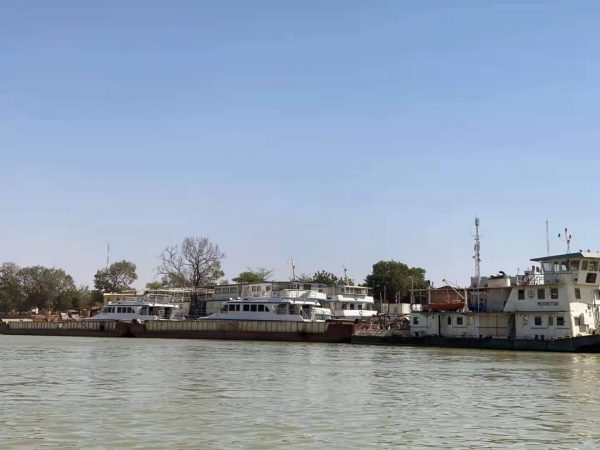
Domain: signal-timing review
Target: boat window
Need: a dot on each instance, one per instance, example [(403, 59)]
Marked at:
[(459, 321), (351, 305), (593, 265), (307, 287), (237, 307), (563, 266), (231, 307), (253, 308), (449, 320), (360, 306), (556, 266), (415, 320), (584, 264), (554, 293), (550, 320), (577, 293), (547, 266), (246, 307), (541, 294), (590, 278), (560, 321), (537, 321), (261, 308), (144, 311), (267, 309), (577, 321), (268, 288), (574, 266), (119, 309), (521, 294)]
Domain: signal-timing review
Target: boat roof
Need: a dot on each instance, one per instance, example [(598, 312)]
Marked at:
[(140, 303), (576, 255)]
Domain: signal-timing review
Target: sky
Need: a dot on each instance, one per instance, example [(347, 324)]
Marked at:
[(338, 133)]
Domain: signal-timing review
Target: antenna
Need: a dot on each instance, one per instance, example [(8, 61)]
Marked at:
[(345, 274), (107, 254), (547, 241), (477, 256), (293, 263), (567, 239)]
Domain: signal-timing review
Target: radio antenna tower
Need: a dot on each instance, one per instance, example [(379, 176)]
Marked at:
[(547, 240), (567, 239), (107, 254), (477, 256), (345, 274), (293, 263)]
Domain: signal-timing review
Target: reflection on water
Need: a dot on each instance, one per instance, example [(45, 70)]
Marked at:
[(136, 393)]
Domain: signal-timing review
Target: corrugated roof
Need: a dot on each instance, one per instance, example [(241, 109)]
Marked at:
[(577, 255)]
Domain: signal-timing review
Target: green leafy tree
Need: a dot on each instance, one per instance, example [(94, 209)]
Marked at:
[(154, 285), (47, 288), (116, 278), (391, 280), (327, 278), (11, 290), (258, 275)]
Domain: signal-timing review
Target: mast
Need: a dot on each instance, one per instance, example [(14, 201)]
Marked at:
[(547, 240), (567, 239), (477, 256), (292, 261)]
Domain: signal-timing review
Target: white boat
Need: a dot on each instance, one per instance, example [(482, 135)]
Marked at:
[(297, 302), (137, 309), (350, 302)]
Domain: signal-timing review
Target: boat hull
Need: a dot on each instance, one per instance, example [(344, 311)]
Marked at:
[(583, 344)]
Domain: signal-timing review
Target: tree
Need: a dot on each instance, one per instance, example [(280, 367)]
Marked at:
[(325, 277), (392, 280), (154, 285), (47, 288), (196, 263), (116, 278), (258, 275), (11, 290)]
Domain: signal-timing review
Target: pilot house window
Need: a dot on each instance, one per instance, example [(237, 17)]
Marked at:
[(537, 321), (521, 294), (577, 293), (459, 321), (541, 294), (590, 278), (554, 293), (560, 321)]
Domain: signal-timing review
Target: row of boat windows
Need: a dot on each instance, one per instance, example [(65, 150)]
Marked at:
[(250, 308), (541, 293), (119, 309), (537, 321), (571, 266)]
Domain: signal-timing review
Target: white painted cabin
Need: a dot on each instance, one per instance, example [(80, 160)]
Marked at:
[(560, 298), (350, 302)]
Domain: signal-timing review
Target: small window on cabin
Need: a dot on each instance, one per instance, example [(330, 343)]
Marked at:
[(573, 266), (577, 293), (563, 266), (246, 307), (232, 307), (344, 306), (237, 307), (584, 264), (537, 321), (267, 309), (554, 293), (119, 309), (577, 321), (360, 306), (268, 288), (521, 294), (550, 320), (541, 294), (449, 320), (560, 321), (593, 266), (253, 308), (415, 321), (351, 305), (307, 287), (261, 308), (590, 278), (459, 321), (547, 266), (556, 266)]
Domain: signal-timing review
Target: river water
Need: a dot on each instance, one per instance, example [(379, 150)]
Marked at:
[(68, 392)]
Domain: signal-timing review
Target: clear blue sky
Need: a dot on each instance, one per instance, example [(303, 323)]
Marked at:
[(334, 132)]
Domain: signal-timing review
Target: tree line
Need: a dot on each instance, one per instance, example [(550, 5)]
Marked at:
[(194, 263)]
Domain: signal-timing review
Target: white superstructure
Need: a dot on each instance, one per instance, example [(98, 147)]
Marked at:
[(291, 302), (128, 310), (350, 302), (559, 298)]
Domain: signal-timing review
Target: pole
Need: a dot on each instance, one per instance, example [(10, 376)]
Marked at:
[(547, 240)]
